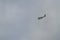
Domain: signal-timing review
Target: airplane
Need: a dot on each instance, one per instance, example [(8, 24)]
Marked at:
[(42, 17)]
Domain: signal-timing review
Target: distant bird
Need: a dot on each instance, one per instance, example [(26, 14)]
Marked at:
[(42, 17)]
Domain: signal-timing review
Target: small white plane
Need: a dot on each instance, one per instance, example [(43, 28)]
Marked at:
[(42, 17)]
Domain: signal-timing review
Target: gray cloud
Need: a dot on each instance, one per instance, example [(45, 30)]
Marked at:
[(18, 20)]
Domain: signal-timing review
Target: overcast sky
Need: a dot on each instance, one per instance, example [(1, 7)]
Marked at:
[(18, 20)]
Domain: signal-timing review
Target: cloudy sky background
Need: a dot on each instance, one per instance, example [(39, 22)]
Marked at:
[(18, 20)]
